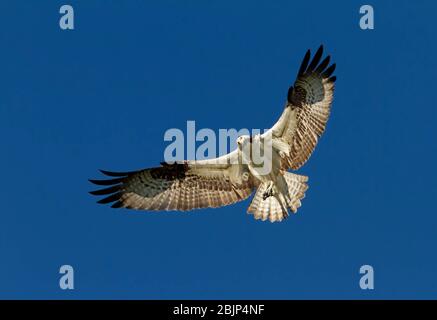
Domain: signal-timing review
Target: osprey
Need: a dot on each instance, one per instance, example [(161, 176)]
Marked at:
[(226, 180)]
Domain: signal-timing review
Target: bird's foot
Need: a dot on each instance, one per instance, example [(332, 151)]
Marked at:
[(267, 194)]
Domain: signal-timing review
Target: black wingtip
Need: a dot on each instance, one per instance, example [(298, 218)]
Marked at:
[(107, 182), (329, 71), (322, 66), (112, 174), (114, 189), (117, 205), (97, 182), (304, 64), (111, 198), (117, 174), (316, 59), (105, 191)]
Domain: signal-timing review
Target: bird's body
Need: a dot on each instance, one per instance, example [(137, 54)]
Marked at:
[(234, 177)]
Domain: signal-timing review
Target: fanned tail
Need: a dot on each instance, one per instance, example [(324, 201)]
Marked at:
[(275, 207)]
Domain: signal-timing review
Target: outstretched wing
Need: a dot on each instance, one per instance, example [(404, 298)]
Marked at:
[(179, 186), (307, 110)]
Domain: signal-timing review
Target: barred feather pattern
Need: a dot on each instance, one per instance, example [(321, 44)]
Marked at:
[(266, 209), (307, 110), (164, 188), (297, 186), (275, 208), (311, 119)]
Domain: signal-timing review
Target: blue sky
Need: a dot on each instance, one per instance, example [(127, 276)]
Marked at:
[(102, 96)]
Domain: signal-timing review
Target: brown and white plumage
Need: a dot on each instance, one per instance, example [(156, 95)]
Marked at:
[(226, 180), (307, 110), (272, 207), (179, 186)]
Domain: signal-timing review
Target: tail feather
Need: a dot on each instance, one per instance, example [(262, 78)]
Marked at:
[(275, 208), (297, 185), (270, 208)]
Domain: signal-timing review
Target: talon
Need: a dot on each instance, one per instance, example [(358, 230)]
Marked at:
[(268, 193)]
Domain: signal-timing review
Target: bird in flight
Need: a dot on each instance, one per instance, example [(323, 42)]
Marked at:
[(222, 181)]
